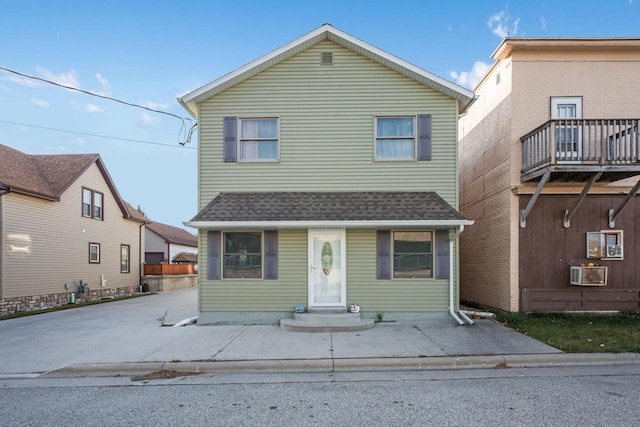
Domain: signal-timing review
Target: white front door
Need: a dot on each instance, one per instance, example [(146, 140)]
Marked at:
[(327, 268)]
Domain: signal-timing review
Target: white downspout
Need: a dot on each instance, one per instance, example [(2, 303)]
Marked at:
[(452, 285)]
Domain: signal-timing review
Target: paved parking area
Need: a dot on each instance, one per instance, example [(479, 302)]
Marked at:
[(128, 331)]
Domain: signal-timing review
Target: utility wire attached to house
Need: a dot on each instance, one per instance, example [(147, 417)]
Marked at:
[(183, 130)]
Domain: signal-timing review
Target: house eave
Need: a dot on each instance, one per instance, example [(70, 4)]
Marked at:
[(303, 225), (326, 32)]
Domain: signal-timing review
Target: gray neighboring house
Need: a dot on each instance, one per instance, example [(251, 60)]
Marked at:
[(64, 229), (166, 244)]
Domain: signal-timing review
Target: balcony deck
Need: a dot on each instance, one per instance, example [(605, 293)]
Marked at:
[(576, 149)]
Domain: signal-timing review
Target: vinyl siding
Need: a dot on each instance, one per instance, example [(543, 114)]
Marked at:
[(59, 241), (155, 243), (257, 294), (327, 129), (291, 288)]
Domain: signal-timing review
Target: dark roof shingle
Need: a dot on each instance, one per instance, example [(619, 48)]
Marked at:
[(46, 176), (328, 206), (173, 234)]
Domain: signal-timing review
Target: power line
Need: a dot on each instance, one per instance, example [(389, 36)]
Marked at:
[(94, 94), (182, 119), (98, 136)]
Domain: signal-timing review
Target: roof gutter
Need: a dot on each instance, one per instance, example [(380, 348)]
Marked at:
[(225, 225)]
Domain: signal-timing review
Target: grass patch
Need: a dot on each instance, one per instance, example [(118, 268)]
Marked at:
[(579, 333), (68, 306)]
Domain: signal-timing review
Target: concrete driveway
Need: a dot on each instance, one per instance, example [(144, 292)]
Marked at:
[(128, 331)]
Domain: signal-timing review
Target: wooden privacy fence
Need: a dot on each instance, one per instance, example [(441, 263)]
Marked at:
[(168, 269)]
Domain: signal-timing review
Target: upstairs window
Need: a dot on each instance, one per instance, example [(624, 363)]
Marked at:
[(259, 139), (92, 202), (395, 138)]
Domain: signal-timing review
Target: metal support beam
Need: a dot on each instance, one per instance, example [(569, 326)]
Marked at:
[(524, 213), (568, 213), (613, 213)]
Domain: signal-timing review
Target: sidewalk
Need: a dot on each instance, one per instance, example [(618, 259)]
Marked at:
[(125, 337)]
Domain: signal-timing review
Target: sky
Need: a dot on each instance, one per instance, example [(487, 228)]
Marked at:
[(149, 53)]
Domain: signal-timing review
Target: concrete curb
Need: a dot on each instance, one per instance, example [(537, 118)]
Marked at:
[(344, 365)]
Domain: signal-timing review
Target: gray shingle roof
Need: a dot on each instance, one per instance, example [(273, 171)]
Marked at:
[(45, 176), (328, 206), (173, 234), (48, 176)]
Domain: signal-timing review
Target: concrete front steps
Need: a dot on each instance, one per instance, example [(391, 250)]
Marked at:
[(326, 320)]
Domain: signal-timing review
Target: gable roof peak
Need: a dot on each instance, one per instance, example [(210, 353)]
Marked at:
[(322, 33)]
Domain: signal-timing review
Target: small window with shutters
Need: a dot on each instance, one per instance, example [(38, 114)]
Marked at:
[(403, 137), (242, 255), (251, 139)]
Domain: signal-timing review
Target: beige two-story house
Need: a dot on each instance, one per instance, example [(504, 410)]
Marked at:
[(327, 177), (65, 233), (550, 169)]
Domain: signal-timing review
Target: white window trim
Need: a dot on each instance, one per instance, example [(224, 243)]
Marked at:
[(558, 100), (415, 138), (224, 252), (433, 255), (97, 245), (240, 139)]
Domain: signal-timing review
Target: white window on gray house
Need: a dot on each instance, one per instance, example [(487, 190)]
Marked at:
[(259, 139), (94, 253), (125, 253), (395, 138), (92, 202), (412, 254), (242, 255), (97, 205)]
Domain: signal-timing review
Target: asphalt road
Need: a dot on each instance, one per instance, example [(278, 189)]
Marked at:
[(585, 396)]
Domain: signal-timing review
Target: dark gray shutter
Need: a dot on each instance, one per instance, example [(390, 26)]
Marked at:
[(271, 254), (424, 136), (442, 254), (213, 255), (384, 254), (230, 139)]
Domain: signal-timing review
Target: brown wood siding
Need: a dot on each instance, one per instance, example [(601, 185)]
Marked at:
[(547, 250)]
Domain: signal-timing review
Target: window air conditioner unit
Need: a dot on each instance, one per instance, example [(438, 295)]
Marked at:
[(614, 251), (588, 276)]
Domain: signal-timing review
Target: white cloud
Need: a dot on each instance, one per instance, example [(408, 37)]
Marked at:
[(543, 22), (106, 86), (71, 79), (500, 25), (78, 141), (470, 79), (92, 108), (22, 81), (156, 105), (146, 119), (39, 103)]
